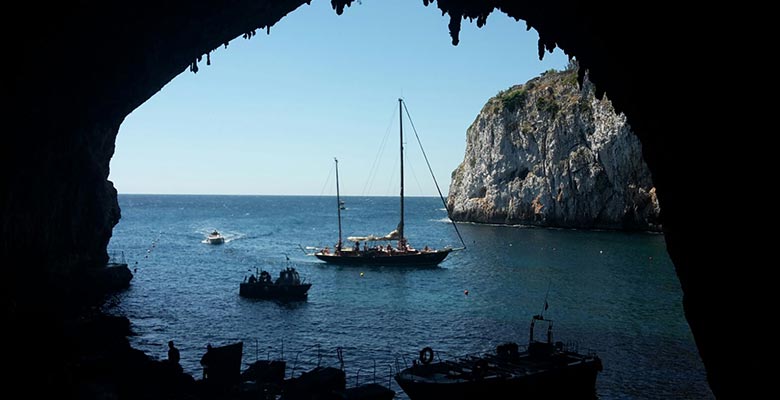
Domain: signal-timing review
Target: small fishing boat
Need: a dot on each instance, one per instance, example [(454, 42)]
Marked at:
[(288, 286)]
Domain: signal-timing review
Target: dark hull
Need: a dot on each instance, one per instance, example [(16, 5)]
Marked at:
[(222, 365), (274, 292), (570, 382), (381, 258)]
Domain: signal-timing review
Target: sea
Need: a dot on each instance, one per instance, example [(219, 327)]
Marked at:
[(612, 293)]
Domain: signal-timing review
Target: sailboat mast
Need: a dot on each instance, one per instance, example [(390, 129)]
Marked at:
[(338, 198), (401, 120)]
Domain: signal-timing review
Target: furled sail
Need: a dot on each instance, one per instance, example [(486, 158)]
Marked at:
[(394, 235)]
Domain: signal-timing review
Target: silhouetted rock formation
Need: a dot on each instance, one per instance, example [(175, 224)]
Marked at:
[(76, 70), (547, 153)]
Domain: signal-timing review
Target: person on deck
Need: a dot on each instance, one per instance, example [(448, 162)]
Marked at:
[(402, 245)]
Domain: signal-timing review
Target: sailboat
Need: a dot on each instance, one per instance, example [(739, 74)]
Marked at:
[(401, 255)]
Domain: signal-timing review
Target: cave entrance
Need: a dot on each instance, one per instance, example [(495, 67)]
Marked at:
[(260, 116)]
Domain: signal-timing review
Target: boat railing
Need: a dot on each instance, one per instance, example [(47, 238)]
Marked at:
[(309, 361), (571, 346), (314, 356), (357, 374), (402, 362), (116, 257)]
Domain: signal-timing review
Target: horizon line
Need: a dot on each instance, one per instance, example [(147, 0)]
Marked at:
[(277, 195)]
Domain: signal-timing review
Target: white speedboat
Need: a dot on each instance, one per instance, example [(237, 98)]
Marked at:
[(215, 238)]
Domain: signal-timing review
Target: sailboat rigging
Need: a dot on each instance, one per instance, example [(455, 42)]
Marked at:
[(402, 254)]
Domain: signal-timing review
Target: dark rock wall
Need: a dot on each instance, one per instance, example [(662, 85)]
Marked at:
[(73, 71)]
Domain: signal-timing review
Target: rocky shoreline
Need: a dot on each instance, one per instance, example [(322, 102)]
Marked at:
[(64, 343), (61, 340)]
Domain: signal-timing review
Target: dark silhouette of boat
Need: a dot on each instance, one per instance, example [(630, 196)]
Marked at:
[(288, 286), (379, 254), (222, 364), (547, 369), (330, 383)]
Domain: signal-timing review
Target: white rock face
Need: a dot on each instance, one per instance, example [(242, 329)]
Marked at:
[(547, 153)]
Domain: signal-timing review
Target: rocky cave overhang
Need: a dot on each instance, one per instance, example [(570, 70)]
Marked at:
[(76, 70)]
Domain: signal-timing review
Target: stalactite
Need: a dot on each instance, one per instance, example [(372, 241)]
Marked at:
[(454, 26), (208, 58), (481, 21), (540, 45), (338, 5)]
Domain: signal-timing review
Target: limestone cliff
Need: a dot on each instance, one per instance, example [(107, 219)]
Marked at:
[(551, 154)]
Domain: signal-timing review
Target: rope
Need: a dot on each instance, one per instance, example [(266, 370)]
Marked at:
[(433, 176), (327, 180), (375, 165)]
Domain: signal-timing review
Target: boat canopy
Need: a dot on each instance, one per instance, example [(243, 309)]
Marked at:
[(394, 235)]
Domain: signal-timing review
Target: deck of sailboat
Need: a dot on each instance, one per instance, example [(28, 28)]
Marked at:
[(374, 257)]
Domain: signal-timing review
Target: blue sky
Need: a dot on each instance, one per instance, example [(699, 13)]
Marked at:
[(269, 114)]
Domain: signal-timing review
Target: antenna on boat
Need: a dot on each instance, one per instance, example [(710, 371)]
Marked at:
[(546, 306)]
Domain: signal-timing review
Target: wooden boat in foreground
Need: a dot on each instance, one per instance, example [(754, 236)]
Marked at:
[(542, 369)]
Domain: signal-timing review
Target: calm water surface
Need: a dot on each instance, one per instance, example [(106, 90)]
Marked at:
[(613, 293)]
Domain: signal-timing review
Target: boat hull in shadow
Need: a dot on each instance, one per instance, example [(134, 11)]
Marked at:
[(542, 370), (574, 382), (263, 291), (429, 258)]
